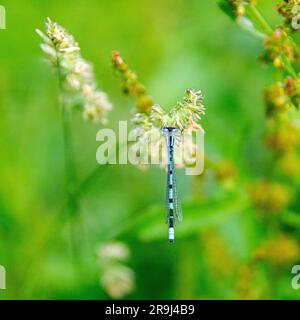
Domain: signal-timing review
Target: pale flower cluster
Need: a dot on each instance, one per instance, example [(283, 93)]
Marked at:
[(77, 80), (116, 278), (185, 116)]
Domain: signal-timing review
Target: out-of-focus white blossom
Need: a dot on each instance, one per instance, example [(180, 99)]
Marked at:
[(114, 251), (116, 278), (77, 80)]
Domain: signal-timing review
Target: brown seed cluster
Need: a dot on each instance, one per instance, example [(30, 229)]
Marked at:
[(282, 96), (281, 251), (287, 9), (279, 49), (131, 84), (238, 6), (270, 197)]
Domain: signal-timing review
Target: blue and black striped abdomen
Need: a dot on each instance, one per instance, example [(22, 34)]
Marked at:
[(173, 209), (170, 200)]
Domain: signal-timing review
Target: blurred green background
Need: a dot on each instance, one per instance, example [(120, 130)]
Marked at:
[(173, 45)]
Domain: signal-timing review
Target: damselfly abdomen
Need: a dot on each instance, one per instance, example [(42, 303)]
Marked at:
[(173, 208)]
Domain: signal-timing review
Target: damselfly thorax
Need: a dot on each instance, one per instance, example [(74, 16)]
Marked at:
[(173, 208)]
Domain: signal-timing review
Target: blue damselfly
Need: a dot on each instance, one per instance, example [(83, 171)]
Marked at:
[(173, 208)]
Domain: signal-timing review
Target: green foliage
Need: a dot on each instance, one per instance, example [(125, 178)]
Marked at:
[(227, 9), (191, 45), (197, 217)]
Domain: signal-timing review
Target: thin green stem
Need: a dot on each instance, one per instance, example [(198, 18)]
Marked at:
[(67, 135), (289, 67), (259, 19), (68, 146), (69, 166)]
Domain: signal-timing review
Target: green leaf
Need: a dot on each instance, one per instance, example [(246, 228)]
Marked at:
[(291, 219), (227, 8), (150, 225)]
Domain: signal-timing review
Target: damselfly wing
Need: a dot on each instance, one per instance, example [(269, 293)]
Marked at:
[(173, 207)]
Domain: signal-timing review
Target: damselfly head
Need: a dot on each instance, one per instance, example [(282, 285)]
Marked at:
[(170, 131)]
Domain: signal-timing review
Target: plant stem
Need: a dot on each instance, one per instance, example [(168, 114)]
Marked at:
[(71, 176), (69, 166), (289, 67), (67, 135), (268, 30), (68, 148), (259, 19)]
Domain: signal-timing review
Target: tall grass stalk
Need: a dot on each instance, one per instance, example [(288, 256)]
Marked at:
[(70, 168), (77, 90)]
